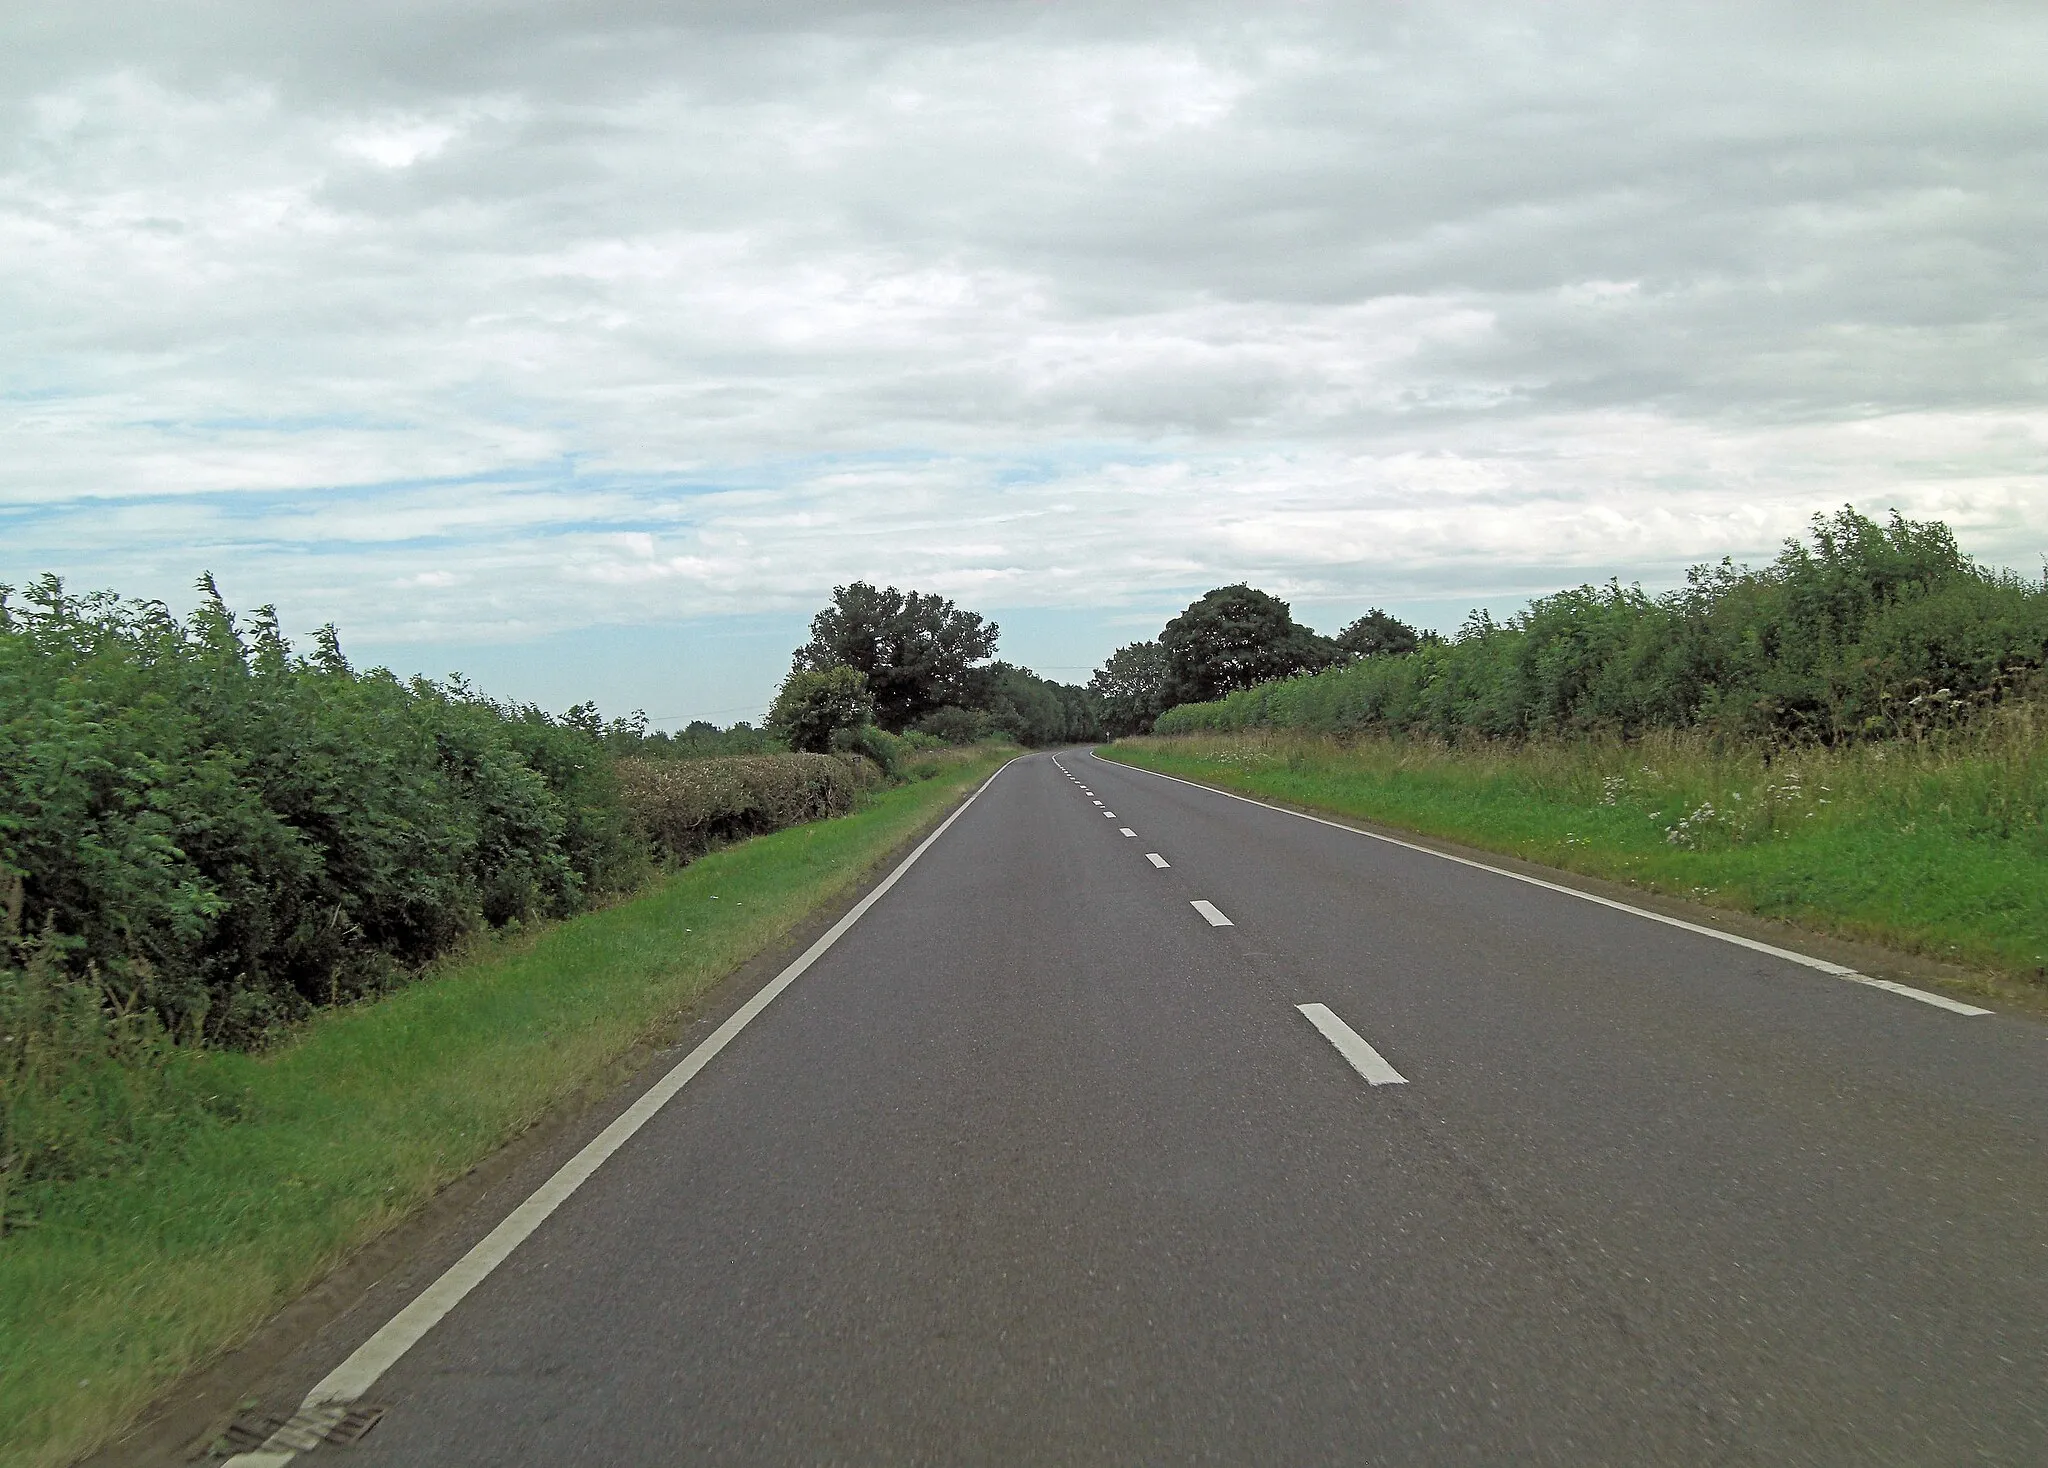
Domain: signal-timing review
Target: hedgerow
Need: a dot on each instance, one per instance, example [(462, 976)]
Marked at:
[(205, 835), (232, 833), (1873, 631)]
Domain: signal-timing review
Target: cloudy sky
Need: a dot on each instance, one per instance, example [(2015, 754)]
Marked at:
[(586, 346)]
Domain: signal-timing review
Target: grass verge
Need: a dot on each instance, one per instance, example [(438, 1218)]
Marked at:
[(1933, 850), (126, 1282)]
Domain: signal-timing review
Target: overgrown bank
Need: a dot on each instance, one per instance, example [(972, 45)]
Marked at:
[(129, 1277), (1935, 847), (228, 834), (206, 837)]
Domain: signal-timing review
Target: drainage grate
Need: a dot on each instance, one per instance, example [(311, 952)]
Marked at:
[(335, 1425)]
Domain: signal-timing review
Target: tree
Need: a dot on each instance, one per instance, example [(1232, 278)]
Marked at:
[(917, 652), (1131, 688), (1034, 710), (1235, 637), (954, 725), (815, 705), (1378, 634)]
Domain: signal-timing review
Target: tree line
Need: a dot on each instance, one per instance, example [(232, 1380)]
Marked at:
[(884, 666), (1232, 638)]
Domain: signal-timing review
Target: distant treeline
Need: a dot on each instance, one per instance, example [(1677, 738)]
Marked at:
[(1870, 631), (700, 739)]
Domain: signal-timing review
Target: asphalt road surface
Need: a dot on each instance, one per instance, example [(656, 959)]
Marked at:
[(1044, 1162)]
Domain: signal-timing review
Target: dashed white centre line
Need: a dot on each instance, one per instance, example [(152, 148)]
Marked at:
[(1155, 858), (1111, 814), (1097, 802), (1127, 831), (1208, 910), (1367, 1061)]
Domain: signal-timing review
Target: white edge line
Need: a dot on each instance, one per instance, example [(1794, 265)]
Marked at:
[(1367, 1061), (348, 1381), (1209, 910), (1939, 1001)]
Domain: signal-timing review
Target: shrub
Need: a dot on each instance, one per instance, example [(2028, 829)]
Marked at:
[(887, 750), (814, 705)]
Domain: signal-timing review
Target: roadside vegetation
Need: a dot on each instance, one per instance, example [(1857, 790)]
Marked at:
[(1871, 632), (208, 836)]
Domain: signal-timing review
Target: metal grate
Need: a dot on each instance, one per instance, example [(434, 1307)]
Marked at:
[(334, 1425)]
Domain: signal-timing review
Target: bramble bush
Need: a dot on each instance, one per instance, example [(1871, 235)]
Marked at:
[(814, 704)]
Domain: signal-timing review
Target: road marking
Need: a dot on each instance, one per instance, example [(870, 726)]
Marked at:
[(1208, 910), (1128, 831), (1367, 1061), (1110, 814), (1096, 802), (1835, 970), (1939, 1001), (348, 1381), (1155, 858)]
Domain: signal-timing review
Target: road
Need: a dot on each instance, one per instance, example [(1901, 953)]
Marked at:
[(1041, 1162)]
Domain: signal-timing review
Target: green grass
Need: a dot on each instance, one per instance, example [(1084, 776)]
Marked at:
[(127, 1281), (1933, 849)]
